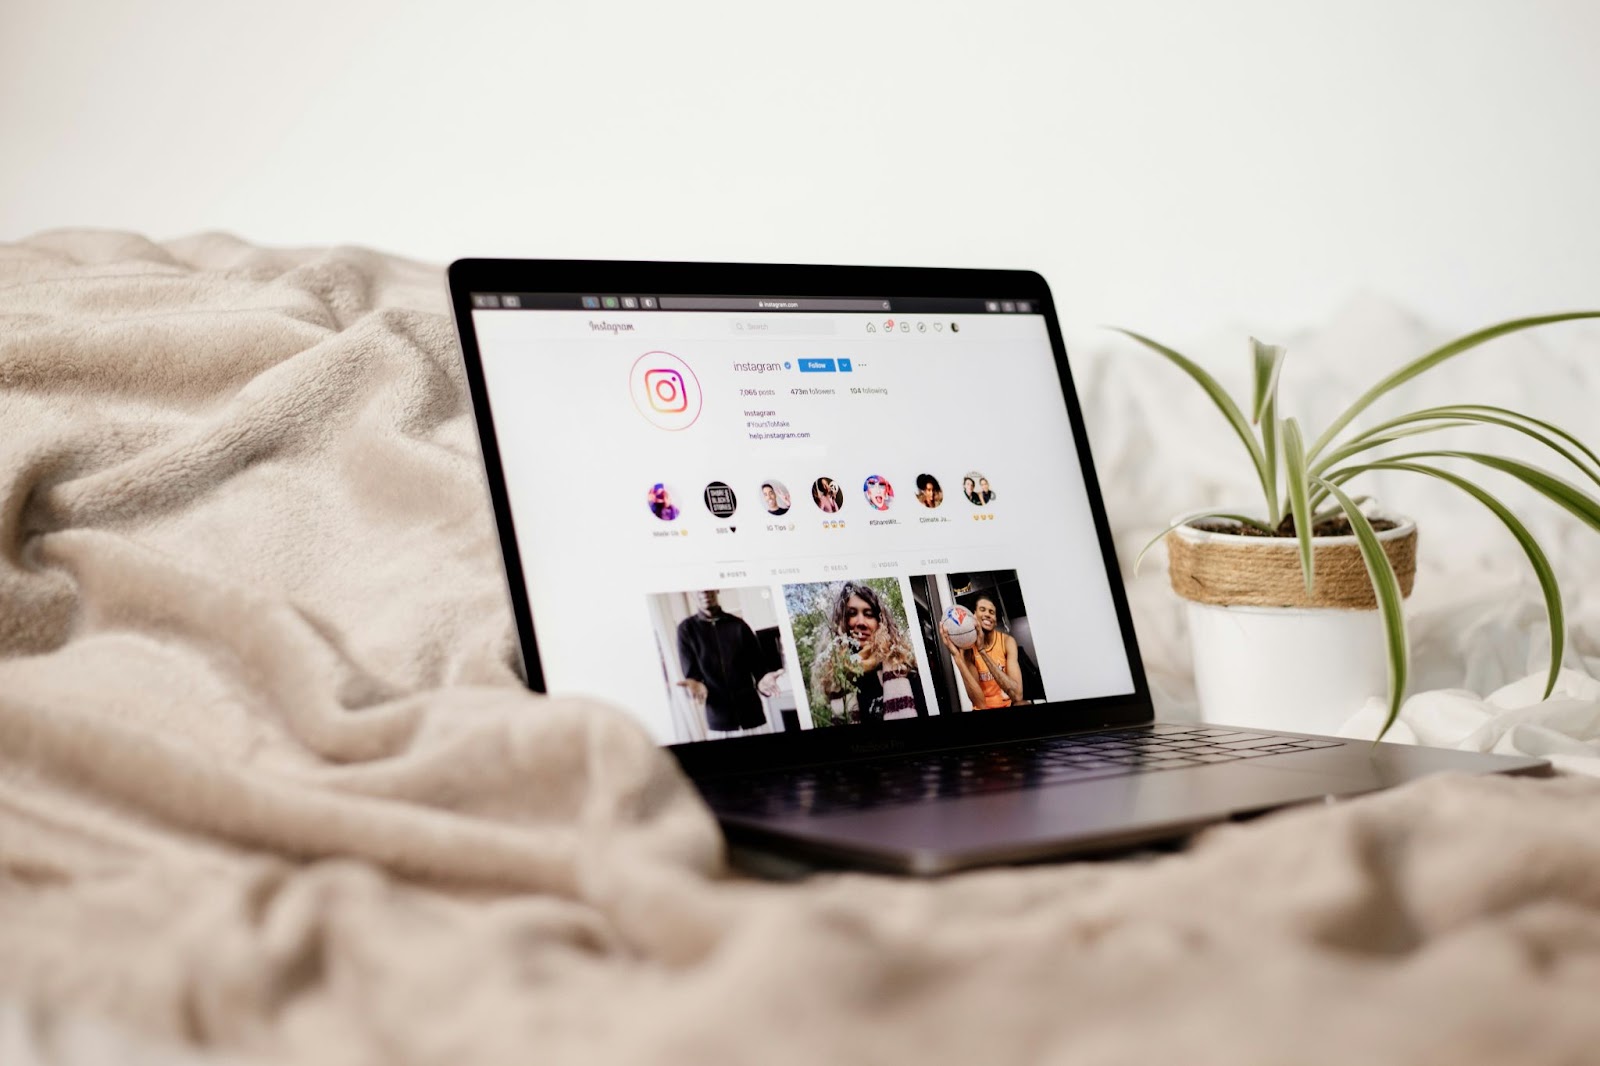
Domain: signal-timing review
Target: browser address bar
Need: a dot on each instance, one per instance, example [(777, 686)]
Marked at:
[(768, 303)]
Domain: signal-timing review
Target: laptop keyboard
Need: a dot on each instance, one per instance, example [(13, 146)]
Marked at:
[(1004, 768)]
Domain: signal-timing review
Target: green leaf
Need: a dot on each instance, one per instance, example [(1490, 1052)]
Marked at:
[(1271, 428), (1463, 415), (1219, 396), (1390, 602), (1433, 359), (1267, 360), (1243, 520), (1338, 477), (1553, 430), (1530, 546), (1294, 459), (1374, 439), (1548, 485)]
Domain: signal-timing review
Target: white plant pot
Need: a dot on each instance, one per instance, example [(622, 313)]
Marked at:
[(1304, 669), (1301, 669)]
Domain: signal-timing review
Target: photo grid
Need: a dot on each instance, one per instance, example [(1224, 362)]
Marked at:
[(854, 651)]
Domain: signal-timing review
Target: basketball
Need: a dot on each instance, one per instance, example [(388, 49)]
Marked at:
[(962, 626)]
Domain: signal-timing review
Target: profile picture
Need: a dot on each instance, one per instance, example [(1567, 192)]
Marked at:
[(775, 497), (975, 487), (878, 491), (827, 495), (929, 492), (720, 499), (855, 651), (661, 502)]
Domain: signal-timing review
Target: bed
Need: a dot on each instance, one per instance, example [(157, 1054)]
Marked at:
[(270, 790)]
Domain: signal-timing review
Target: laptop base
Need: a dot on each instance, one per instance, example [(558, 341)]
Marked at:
[(1097, 816)]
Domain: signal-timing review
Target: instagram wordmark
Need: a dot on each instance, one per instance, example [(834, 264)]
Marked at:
[(665, 390)]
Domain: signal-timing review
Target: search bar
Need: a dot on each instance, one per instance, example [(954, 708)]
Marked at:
[(799, 326)]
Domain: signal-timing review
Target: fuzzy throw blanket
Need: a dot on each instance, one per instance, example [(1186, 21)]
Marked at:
[(270, 791)]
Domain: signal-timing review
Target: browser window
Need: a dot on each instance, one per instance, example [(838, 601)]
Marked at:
[(744, 516)]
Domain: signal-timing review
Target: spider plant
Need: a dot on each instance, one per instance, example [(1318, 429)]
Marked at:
[(1304, 484)]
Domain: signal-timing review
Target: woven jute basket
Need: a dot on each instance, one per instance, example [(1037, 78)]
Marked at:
[(1236, 571)]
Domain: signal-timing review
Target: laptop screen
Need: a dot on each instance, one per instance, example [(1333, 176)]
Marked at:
[(749, 515)]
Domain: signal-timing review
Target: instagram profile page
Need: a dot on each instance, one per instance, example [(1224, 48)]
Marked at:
[(734, 524)]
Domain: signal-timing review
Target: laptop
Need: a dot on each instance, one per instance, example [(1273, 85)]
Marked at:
[(833, 536)]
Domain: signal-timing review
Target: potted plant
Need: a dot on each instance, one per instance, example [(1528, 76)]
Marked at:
[(1295, 602)]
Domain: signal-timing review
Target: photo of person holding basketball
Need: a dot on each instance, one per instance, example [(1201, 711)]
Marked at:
[(991, 669), (978, 640)]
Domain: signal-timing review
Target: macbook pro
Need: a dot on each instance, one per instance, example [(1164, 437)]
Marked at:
[(833, 536)]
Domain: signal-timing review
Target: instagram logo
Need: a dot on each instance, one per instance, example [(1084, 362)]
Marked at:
[(665, 387), (665, 390)]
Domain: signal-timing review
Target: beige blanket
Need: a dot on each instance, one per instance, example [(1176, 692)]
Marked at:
[(269, 791)]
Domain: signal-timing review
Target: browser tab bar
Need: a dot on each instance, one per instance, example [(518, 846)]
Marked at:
[(799, 306)]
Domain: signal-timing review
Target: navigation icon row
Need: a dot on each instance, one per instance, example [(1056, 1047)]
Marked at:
[(903, 326)]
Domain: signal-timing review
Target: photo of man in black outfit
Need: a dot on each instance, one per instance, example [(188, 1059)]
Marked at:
[(724, 666)]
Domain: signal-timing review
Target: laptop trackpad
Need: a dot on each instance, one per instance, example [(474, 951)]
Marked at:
[(1105, 812)]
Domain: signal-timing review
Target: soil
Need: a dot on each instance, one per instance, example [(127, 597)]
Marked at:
[(1337, 526)]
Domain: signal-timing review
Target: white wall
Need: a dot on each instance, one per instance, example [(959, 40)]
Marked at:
[(1171, 165)]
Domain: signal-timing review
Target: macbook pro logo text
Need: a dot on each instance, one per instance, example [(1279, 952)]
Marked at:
[(665, 391)]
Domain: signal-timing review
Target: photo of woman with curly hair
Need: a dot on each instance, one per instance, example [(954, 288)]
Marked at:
[(863, 666)]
